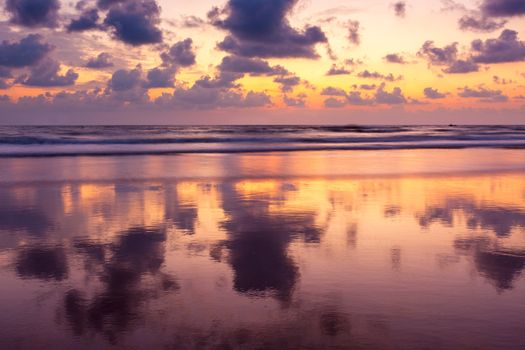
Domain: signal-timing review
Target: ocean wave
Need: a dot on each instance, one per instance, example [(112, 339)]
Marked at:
[(34, 152), (129, 140)]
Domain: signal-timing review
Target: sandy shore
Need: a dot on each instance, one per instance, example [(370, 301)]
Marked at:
[(368, 250)]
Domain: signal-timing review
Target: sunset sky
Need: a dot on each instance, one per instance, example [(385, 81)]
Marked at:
[(262, 61)]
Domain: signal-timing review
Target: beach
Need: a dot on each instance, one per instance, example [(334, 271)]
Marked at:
[(364, 249)]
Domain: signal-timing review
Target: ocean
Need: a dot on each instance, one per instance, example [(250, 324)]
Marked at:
[(262, 237), (120, 140)]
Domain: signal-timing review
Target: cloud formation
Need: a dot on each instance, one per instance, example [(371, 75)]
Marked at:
[(503, 8), (336, 70), (134, 22), (433, 94), (447, 56), (478, 23), (483, 94), (86, 21), (395, 58), (253, 66), (505, 48), (33, 13), (47, 74), (27, 52), (400, 8), (366, 74), (381, 96), (103, 60), (353, 32), (260, 28), (180, 54)]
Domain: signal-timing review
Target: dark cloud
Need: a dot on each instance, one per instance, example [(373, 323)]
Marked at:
[(106, 4), (161, 77), (216, 92), (123, 80), (261, 28), (103, 60), (366, 74), (353, 32), (299, 101), (180, 54), (353, 62), (87, 20), (47, 74), (5, 72), (223, 80), (447, 56), (192, 22), (27, 52), (506, 48), (33, 13), (480, 23), (389, 98), (400, 8), (395, 58), (461, 66), (199, 97), (433, 94), (4, 84), (334, 103), (502, 81), (367, 87), (503, 8), (356, 98), (253, 66), (483, 94), (332, 91), (439, 56), (288, 82), (134, 21), (335, 70)]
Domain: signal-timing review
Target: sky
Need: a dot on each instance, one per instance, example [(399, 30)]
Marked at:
[(262, 61)]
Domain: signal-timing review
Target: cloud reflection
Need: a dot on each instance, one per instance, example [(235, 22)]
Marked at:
[(137, 254)]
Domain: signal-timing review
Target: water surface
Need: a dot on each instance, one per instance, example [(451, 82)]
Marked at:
[(171, 253)]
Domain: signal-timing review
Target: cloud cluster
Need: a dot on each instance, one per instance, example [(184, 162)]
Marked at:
[(47, 74), (134, 22), (33, 13), (433, 94), (366, 74), (27, 52), (447, 56), (340, 98), (503, 8), (483, 94), (505, 48), (260, 28), (103, 60), (87, 20), (252, 66), (338, 70), (479, 23), (180, 54)]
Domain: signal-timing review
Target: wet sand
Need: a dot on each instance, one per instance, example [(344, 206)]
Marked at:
[(362, 249)]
